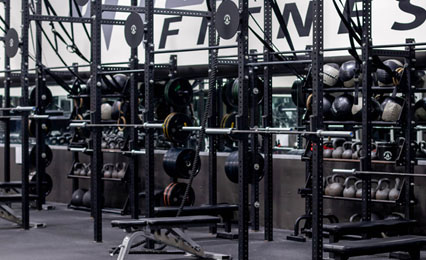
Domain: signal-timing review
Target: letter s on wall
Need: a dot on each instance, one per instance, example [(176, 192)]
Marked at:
[(418, 12)]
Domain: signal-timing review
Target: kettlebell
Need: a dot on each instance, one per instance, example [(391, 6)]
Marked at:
[(107, 170), (336, 187), (395, 191), (121, 170), (328, 149), (349, 191), (356, 151), (382, 192), (338, 149), (358, 188), (327, 183), (347, 150)]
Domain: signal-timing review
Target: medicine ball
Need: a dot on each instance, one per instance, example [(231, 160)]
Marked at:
[(391, 108), (297, 95), (326, 106), (420, 110), (87, 199), (383, 77), (77, 197), (419, 79), (120, 82), (342, 107), (105, 89), (106, 110), (331, 74), (347, 73), (375, 111)]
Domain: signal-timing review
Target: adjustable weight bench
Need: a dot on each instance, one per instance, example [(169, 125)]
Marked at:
[(345, 249), (8, 214), (168, 231)]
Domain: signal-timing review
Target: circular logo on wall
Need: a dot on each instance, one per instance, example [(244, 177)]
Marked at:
[(387, 155)]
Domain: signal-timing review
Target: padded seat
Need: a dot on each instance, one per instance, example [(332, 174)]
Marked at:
[(167, 222), (354, 228), (346, 249), (220, 209)]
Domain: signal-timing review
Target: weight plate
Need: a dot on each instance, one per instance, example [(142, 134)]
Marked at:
[(174, 193), (46, 156), (46, 187), (46, 96), (45, 127), (178, 92), (227, 20), (232, 166), (11, 41), (81, 2), (256, 91), (177, 163), (227, 93), (297, 95), (134, 30), (172, 127)]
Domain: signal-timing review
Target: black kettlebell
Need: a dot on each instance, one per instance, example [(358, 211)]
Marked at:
[(86, 199), (342, 107), (420, 110), (347, 150), (77, 197), (338, 149)]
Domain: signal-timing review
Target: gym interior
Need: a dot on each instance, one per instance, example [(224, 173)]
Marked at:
[(233, 129)]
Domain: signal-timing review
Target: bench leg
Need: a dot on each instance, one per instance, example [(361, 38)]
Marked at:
[(415, 254), (127, 244)]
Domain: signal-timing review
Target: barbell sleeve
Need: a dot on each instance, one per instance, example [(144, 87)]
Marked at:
[(321, 133), (152, 125), (345, 171), (219, 131), (81, 150), (40, 116), (83, 124)]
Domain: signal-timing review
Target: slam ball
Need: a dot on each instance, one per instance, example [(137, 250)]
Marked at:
[(384, 78), (347, 73), (330, 74), (342, 107)]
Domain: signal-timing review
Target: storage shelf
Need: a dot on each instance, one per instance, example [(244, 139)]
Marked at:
[(358, 161), (88, 177), (359, 199)]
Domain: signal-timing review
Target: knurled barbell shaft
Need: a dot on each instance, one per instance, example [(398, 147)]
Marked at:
[(355, 172), (18, 109)]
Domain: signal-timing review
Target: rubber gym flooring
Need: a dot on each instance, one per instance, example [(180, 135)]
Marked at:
[(69, 235)]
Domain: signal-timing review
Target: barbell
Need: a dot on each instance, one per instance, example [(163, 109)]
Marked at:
[(177, 128)]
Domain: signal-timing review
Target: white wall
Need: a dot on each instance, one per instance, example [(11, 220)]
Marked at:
[(385, 14)]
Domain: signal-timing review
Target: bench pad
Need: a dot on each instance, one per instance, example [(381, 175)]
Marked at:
[(197, 210), (168, 222), (376, 245), (367, 226)]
